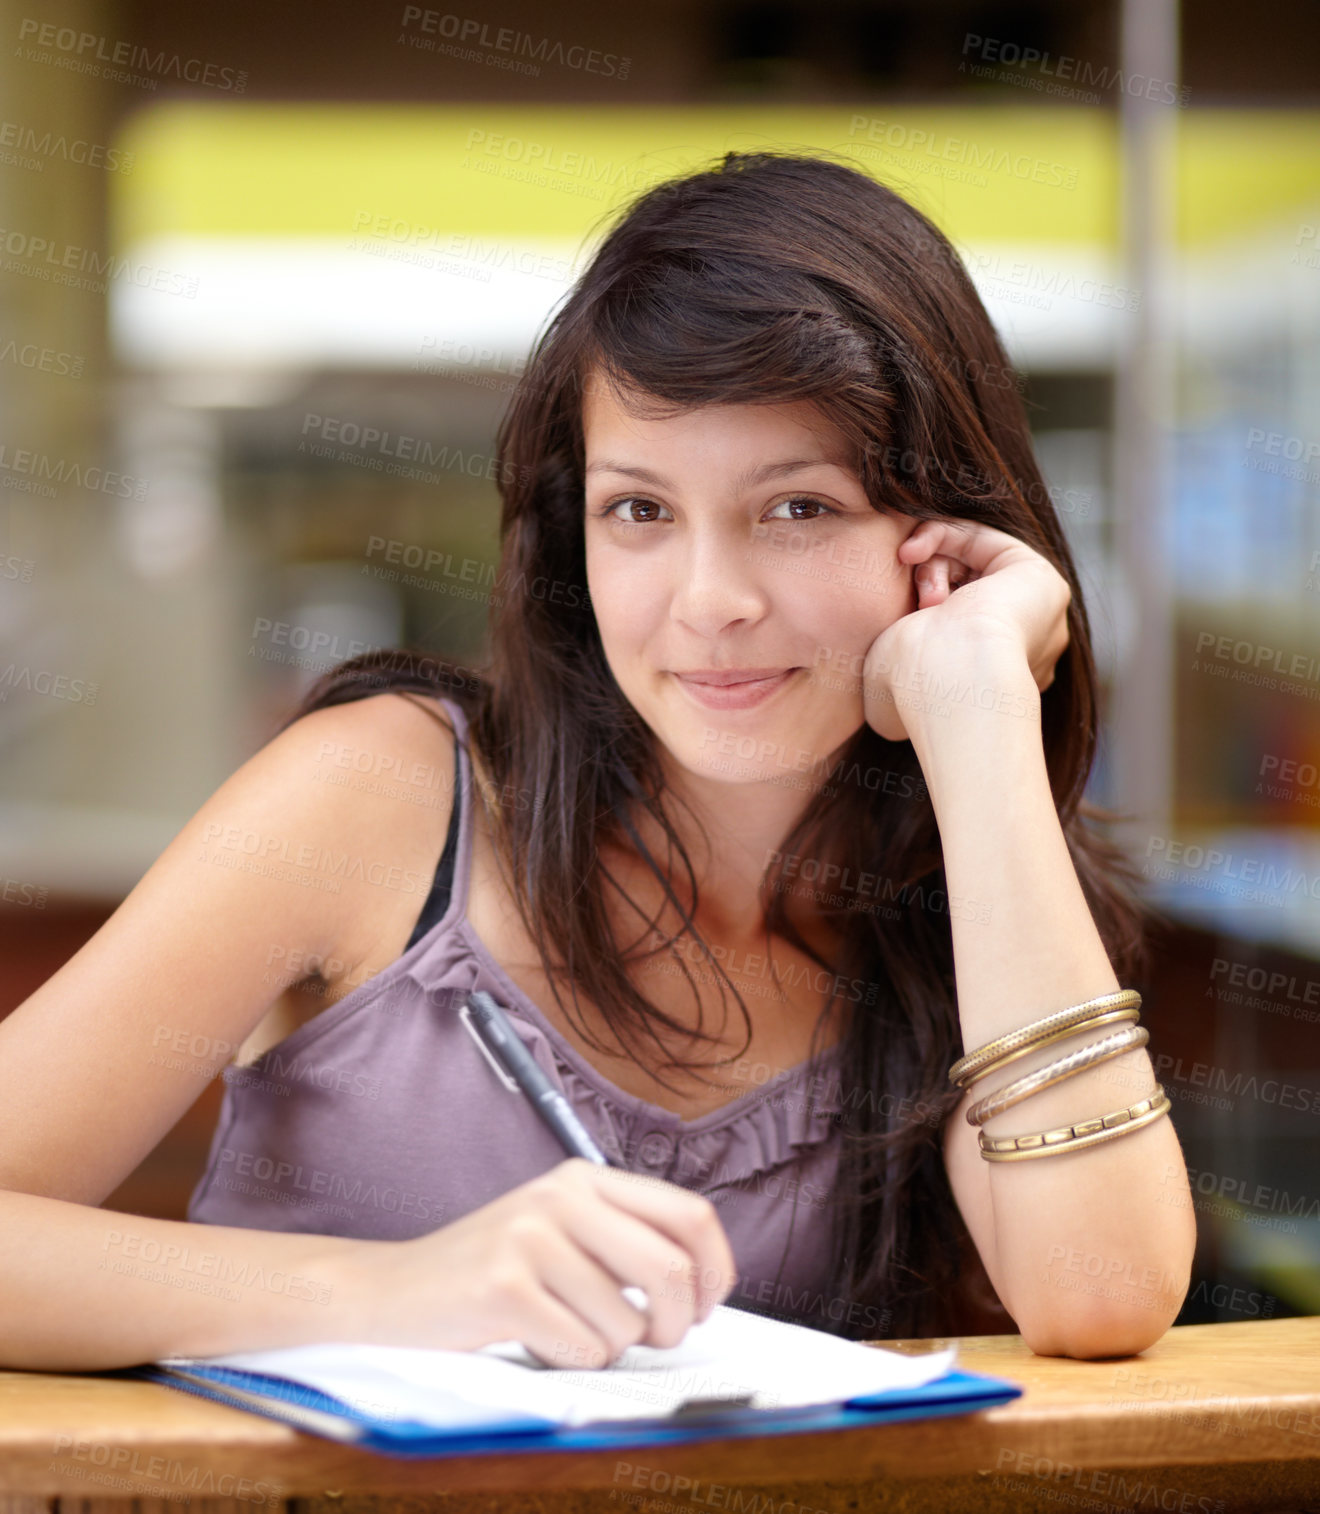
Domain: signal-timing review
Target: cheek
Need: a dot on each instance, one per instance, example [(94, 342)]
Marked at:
[(845, 615), (624, 596)]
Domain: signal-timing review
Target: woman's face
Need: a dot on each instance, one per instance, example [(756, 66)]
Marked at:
[(736, 537)]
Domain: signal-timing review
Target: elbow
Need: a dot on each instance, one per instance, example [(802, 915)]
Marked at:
[(1112, 1318), (1097, 1329), (1100, 1333)]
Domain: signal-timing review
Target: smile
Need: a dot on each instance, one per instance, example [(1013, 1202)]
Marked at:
[(735, 696)]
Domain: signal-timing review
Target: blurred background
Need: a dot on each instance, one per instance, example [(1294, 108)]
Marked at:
[(268, 276)]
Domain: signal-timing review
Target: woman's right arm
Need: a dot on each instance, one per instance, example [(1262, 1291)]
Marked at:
[(86, 1092), (91, 1079)]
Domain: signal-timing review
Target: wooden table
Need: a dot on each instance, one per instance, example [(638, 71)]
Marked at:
[(1212, 1418)]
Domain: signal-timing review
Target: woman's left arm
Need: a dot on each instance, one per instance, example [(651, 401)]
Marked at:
[(1090, 1251)]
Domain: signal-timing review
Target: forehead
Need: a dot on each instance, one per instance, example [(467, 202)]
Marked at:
[(611, 418)]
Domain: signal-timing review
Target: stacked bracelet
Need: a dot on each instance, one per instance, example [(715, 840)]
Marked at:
[(1124, 1004), (1074, 1137), (1056, 1071), (1053, 1027)]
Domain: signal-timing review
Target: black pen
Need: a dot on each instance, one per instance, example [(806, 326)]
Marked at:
[(517, 1069)]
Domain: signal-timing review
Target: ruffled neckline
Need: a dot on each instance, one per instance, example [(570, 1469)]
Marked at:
[(769, 1122)]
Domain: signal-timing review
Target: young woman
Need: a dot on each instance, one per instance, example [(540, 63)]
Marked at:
[(791, 702)]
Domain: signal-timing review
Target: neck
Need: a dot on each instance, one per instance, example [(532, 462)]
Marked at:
[(731, 832)]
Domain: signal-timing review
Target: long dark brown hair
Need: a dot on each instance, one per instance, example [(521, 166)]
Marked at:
[(773, 277)]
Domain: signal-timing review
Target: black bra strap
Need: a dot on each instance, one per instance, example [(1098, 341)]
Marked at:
[(437, 901)]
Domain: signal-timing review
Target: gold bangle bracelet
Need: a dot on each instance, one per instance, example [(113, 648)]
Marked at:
[(1054, 1072), (1029, 1035), (1074, 1137), (1094, 1023)]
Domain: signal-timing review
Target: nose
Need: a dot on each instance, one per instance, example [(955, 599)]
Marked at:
[(717, 581)]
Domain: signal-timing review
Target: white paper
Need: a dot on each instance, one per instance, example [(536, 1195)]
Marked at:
[(731, 1354)]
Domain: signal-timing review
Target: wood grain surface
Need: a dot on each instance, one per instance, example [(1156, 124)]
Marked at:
[(1212, 1418)]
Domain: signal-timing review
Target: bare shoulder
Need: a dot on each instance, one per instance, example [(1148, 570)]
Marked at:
[(390, 758), (321, 845)]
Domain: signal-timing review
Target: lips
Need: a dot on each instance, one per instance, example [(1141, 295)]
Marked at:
[(739, 688), (722, 679)]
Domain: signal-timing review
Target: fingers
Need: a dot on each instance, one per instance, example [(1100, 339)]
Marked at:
[(552, 1330), (606, 1323), (937, 578), (932, 579), (639, 1255), (687, 1219), (973, 545), (935, 573), (566, 1245)]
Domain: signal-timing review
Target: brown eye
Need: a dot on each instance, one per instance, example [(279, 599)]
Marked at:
[(805, 499), (632, 499)]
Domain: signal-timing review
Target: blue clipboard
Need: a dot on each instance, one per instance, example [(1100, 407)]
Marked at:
[(320, 1414)]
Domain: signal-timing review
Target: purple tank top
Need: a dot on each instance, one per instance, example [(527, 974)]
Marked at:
[(381, 1119)]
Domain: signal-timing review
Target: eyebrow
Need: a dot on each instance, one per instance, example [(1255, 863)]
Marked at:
[(745, 480)]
